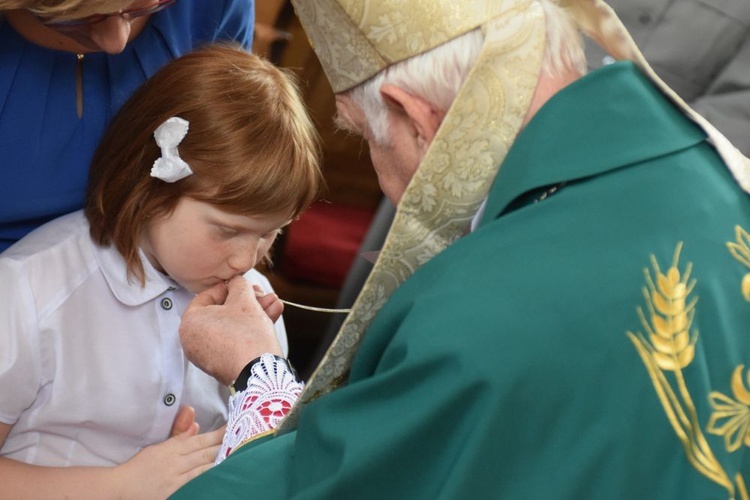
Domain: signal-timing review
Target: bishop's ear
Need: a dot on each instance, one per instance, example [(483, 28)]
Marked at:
[(424, 116)]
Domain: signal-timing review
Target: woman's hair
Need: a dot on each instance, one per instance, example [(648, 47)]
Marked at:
[(437, 75), (65, 8), (250, 143)]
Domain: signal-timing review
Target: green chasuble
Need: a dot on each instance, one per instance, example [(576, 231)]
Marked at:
[(586, 344)]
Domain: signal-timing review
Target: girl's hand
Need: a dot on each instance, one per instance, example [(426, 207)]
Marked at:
[(159, 470), (270, 303), (184, 421)]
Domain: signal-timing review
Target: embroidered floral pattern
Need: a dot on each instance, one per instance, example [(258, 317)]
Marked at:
[(731, 417), (271, 392)]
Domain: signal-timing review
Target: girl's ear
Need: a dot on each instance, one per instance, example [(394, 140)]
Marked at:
[(424, 116)]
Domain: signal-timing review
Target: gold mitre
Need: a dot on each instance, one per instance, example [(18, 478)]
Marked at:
[(356, 39)]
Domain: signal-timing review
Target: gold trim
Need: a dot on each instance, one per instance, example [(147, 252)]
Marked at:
[(248, 441)]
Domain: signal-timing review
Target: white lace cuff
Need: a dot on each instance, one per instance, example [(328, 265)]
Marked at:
[(272, 389)]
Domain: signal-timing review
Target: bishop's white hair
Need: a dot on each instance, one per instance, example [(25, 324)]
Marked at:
[(437, 75)]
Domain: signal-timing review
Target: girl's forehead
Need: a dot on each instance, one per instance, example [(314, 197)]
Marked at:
[(219, 213)]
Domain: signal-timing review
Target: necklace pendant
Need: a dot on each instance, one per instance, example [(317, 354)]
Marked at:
[(79, 85)]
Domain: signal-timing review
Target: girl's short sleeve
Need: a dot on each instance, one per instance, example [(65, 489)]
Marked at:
[(20, 359)]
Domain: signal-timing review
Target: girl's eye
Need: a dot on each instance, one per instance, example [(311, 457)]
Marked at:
[(227, 231)]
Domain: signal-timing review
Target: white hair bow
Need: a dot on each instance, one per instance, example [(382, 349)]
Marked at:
[(170, 167)]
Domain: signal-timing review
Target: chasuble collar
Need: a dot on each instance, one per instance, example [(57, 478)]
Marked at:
[(580, 139)]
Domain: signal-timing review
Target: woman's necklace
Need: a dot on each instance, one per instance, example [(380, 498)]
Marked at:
[(79, 85)]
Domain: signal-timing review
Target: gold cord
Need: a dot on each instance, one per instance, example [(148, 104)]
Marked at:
[(316, 309), (309, 308)]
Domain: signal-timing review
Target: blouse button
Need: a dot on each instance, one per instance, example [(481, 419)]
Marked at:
[(166, 303), (169, 399)]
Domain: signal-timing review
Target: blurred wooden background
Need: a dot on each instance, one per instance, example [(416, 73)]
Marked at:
[(311, 258)]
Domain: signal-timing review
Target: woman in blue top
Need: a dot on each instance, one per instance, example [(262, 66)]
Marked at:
[(66, 70)]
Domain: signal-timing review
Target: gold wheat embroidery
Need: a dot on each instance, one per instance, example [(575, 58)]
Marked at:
[(667, 348), (740, 250)]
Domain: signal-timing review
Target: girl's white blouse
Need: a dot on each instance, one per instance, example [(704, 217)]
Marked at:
[(91, 367)]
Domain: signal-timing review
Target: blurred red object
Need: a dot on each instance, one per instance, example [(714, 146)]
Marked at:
[(321, 245)]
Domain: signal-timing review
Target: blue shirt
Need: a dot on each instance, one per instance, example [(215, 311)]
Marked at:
[(45, 148)]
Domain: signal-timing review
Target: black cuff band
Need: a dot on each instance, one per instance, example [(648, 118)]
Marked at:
[(240, 383)]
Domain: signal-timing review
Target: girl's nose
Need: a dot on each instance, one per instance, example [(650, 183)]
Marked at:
[(243, 259)]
